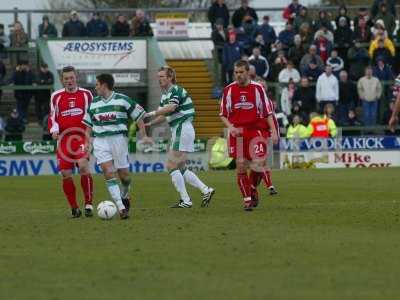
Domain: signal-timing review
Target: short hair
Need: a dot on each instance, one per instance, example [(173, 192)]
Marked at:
[(170, 72), (68, 69), (106, 79), (242, 63)]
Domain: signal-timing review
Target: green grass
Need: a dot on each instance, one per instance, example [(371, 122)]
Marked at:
[(329, 234)]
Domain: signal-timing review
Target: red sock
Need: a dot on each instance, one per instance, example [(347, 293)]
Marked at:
[(244, 184), (69, 191), (266, 176), (255, 179), (87, 187)]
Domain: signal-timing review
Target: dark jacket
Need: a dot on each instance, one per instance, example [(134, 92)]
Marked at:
[(348, 93), (239, 14), (23, 78), (14, 126), (268, 33), (3, 72), (390, 4), (231, 53), (45, 78), (219, 42), (120, 29), (358, 59), (382, 53), (216, 12), (141, 28), (74, 29), (295, 54), (383, 74), (343, 37), (50, 30), (312, 74), (305, 98), (97, 28), (286, 37), (364, 36)]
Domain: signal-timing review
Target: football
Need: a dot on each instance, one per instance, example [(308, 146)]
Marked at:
[(106, 210)]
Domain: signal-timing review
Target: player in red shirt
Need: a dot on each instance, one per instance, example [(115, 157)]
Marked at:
[(248, 115), (67, 108)]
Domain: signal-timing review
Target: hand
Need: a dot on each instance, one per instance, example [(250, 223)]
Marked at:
[(234, 131), (393, 122), (147, 140), (55, 135), (275, 138), (148, 124)]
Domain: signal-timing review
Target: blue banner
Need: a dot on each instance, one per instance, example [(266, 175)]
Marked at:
[(341, 143)]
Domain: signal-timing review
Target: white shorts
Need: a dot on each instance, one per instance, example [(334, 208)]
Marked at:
[(183, 137), (113, 147)]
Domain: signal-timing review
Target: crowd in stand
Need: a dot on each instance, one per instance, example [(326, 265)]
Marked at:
[(330, 61)]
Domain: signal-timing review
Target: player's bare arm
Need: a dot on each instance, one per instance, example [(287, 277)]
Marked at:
[(163, 110), (232, 129), (155, 121), (394, 119), (143, 134), (274, 134)]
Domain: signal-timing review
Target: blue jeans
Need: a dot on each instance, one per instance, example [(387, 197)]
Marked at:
[(370, 109)]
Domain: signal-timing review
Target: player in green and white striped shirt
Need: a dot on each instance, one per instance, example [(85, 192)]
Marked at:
[(107, 120), (177, 108)]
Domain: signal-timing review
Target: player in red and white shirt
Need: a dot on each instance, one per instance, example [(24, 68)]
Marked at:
[(67, 108), (248, 115)]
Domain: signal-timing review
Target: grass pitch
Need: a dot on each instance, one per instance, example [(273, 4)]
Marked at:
[(329, 234)]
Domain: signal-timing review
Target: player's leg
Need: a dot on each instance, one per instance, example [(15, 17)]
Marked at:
[(102, 150), (87, 185), (126, 183), (187, 145), (175, 160)]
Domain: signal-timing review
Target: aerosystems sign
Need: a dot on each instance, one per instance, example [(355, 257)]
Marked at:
[(100, 54)]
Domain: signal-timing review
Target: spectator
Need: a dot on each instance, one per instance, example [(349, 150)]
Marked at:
[(291, 11), (44, 77), (289, 74), (306, 35), (362, 32), (268, 33), (74, 27), (335, 62), (342, 14), (260, 63), (352, 119), (382, 51), (287, 97), (4, 42), (253, 73), (302, 18), (3, 73), (323, 21), (324, 47), (325, 33), (358, 59), (369, 91), (286, 36), (382, 70), (311, 56), (312, 71), (278, 65), (391, 7), (343, 37), (297, 51), (379, 30), (296, 130), (18, 39), (245, 40), (219, 37), (218, 11), (97, 27), (140, 25), (297, 110), (348, 97), (259, 42), (120, 27), (329, 111), (23, 76), (327, 89), (321, 126), (231, 53), (14, 127), (304, 96), (249, 26), (47, 29), (244, 9), (363, 13), (387, 18)]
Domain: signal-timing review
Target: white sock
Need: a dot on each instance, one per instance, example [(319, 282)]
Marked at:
[(115, 192), (179, 183), (125, 187), (193, 180)]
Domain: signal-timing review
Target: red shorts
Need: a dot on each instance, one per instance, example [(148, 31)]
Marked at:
[(250, 145), (70, 149)]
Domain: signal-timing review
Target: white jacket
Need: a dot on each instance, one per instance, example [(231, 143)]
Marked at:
[(285, 75), (327, 88)]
